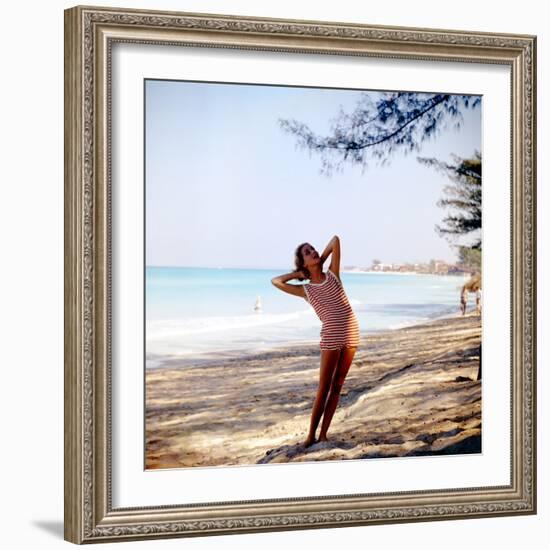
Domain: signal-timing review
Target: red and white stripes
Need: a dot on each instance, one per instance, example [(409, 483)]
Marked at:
[(328, 299)]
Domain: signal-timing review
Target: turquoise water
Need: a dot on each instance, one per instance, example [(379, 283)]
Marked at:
[(194, 314)]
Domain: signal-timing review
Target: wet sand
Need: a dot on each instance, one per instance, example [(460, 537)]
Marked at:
[(409, 392)]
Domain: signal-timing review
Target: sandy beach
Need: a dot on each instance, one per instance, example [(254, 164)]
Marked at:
[(409, 392)]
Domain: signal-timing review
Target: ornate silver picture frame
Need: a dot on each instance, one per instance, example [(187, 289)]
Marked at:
[(90, 513)]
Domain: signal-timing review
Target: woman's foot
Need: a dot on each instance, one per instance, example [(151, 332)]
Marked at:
[(309, 441), (323, 438)]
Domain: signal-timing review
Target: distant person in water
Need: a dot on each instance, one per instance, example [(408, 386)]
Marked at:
[(340, 329)]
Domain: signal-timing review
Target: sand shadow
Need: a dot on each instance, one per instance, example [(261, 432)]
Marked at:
[(468, 445), (286, 453)]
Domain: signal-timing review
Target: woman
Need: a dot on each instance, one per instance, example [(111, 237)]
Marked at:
[(339, 332)]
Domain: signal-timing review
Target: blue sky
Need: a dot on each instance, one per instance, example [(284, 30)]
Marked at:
[(226, 187)]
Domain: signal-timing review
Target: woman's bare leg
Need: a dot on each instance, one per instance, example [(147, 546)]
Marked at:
[(329, 362), (344, 363)]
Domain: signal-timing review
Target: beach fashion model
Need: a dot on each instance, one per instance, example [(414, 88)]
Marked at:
[(339, 332)]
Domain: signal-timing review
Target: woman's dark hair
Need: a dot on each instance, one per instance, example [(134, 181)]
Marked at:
[(299, 262)]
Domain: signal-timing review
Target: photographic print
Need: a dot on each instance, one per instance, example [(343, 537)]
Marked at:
[(313, 276)]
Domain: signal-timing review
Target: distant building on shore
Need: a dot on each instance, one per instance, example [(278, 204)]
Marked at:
[(433, 267)]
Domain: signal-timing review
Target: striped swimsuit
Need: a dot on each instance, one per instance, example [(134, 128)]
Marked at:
[(328, 299)]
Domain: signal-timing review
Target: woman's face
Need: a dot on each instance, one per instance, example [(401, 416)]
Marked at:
[(310, 255)]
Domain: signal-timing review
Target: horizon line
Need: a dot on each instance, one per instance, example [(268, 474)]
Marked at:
[(287, 267)]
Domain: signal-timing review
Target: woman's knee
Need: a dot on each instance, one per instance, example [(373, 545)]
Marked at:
[(338, 380), (336, 385)]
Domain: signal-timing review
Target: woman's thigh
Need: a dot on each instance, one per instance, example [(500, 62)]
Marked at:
[(344, 363), (329, 364)]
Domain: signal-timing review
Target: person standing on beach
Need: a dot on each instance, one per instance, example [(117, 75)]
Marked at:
[(339, 332), (463, 299), (478, 301)]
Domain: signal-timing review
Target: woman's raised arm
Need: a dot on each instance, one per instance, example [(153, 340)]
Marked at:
[(281, 283), (333, 247)]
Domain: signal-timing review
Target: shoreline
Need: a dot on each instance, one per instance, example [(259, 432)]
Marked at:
[(410, 391), (208, 358)]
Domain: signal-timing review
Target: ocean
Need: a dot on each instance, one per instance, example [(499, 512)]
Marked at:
[(197, 314)]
